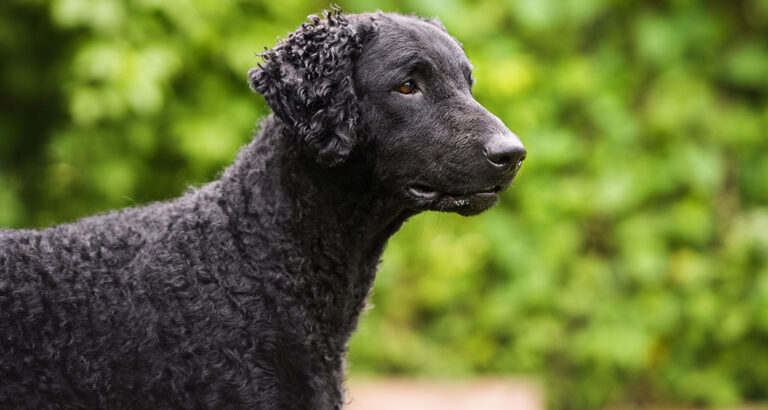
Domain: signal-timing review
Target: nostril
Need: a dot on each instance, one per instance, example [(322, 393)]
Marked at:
[(500, 159), (505, 153), (520, 161)]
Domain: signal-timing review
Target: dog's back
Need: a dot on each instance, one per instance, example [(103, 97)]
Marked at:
[(69, 307), (130, 309)]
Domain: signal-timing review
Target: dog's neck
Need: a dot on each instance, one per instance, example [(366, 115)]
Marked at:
[(332, 223)]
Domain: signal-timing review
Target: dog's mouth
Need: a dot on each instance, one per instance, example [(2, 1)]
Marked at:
[(424, 192), (469, 202)]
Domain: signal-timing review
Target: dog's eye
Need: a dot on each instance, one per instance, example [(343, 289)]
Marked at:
[(406, 88)]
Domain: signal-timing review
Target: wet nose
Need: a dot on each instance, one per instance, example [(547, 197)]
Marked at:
[(505, 153)]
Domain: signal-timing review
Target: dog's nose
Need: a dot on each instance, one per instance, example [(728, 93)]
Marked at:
[(505, 153)]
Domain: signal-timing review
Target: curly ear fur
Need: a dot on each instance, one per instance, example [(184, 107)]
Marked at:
[(307, 81)]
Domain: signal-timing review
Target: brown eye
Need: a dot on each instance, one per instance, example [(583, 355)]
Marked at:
[(406, 88)]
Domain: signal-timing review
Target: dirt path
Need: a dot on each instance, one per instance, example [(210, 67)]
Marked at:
[(404, 394)]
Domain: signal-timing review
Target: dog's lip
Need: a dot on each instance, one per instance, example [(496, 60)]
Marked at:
[(423, 192), (426, 192), (466, 202)]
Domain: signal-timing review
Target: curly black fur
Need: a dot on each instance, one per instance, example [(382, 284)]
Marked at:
[(307, 80), (243, 293)]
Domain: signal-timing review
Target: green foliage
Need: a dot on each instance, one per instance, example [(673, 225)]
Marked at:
[(628, 263)]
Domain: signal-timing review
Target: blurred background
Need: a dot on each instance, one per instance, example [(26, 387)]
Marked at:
[(628, 264)]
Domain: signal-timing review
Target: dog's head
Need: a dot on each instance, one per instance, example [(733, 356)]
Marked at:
[(399, 87)]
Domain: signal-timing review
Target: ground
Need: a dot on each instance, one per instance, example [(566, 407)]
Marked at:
[(403, 394)]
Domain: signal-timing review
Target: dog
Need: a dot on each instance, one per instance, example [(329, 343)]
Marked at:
[(243, 293)]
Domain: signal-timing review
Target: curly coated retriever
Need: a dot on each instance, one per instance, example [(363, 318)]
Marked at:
[(244, 292)]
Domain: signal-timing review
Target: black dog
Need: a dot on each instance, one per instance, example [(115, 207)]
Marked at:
[(243, 294)]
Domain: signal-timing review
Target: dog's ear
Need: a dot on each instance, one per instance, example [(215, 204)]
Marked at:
[(307, 81)]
